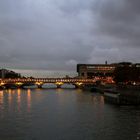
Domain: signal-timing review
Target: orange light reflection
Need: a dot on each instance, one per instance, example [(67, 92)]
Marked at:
[(10, 98), (28, 99), (1, 98), (19, 98)]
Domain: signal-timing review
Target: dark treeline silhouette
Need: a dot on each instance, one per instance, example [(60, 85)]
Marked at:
[(4, 73), (12, 75)]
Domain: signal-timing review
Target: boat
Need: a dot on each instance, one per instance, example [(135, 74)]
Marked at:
[(96, 89), (112, 96), (115, 97)]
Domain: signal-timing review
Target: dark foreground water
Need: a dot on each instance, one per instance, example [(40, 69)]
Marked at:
[(62, 114)]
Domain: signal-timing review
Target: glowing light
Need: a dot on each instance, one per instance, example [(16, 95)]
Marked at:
[(79, 84), (59, 83), (2, 83), (19, 83), (134, 83), (39, 83)]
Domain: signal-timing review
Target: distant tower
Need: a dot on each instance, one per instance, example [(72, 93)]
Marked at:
[(106, 62)]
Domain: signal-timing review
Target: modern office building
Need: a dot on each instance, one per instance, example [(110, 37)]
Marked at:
[(92, 70)]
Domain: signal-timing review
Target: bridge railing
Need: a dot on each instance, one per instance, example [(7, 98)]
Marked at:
[(47, 80)]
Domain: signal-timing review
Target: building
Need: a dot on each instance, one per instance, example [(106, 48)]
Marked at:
[(4, 73), (127, 73), (92, 70)]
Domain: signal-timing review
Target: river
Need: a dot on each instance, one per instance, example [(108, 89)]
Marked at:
[(64, 114)]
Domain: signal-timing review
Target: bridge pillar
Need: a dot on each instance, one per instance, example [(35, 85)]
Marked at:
[(58, 86), (40, 86), (76, 86)]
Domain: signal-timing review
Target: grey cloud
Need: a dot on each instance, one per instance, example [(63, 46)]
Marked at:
[(116, 31), (44, 38), (121, 20), (74, 7), (55, 35)]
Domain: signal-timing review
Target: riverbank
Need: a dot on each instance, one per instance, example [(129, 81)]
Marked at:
[(117, 94), (126, 95)]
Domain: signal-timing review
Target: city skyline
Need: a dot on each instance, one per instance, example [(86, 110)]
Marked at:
[(57, 35)]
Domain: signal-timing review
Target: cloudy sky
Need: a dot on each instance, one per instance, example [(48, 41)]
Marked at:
[(58, 34)]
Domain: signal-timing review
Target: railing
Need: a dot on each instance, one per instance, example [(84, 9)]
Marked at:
[(47, 80)]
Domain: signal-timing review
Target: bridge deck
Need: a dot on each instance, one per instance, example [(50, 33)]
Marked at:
[(47, 80)]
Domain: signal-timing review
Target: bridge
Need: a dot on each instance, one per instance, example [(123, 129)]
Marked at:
[(21, 82)]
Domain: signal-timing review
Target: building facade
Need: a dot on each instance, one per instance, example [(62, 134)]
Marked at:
[(92, 70)]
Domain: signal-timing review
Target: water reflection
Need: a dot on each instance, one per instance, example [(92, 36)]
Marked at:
[(1, 98), (19, 96), (97, 99), (28, 99), (59, 90), (1, 103), (10, 97), (79, 91), (9, 91), (70, 115)]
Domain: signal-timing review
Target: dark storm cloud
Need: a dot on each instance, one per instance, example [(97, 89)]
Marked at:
[(54, 34), (121, 19), (36, 34), (117, 31)]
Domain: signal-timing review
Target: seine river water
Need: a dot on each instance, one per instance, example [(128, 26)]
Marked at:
[(64, 114)]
